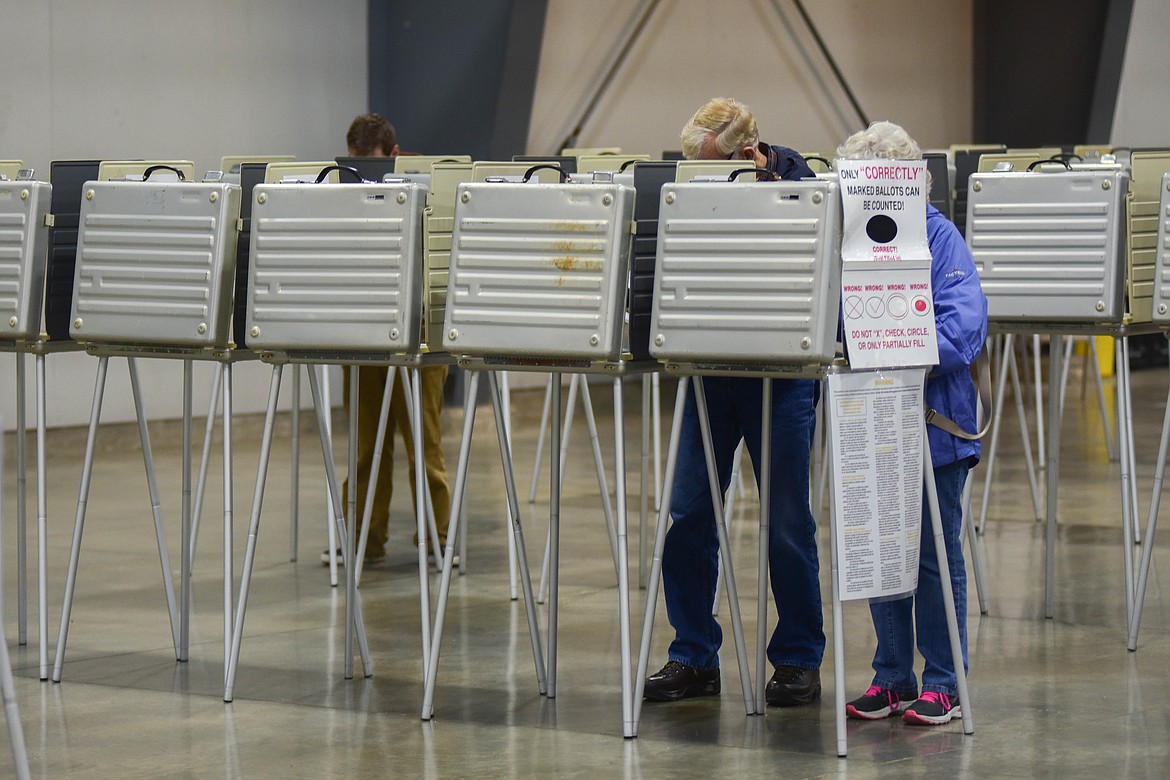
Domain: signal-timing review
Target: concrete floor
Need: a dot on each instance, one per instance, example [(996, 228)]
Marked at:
[(1058, 697)]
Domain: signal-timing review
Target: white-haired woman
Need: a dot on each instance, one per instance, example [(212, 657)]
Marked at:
[(961, 322)]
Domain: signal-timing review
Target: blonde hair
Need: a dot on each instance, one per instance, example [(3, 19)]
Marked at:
[(728, 123)]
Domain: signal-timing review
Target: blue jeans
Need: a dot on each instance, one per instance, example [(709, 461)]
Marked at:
[(689, 561), (895, 621)]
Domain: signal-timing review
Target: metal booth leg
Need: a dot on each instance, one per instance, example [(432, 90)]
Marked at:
[(1055, 353), (453, 531), (655, 579), (295, 477), (1151, 525), (22, 511), (724, 549), (375, 466), (204, 460), (762, 563), (628, 726), (540, 439), (42, 525), (353, 605), (79, 521), (420, 493), (237, 634), (944, 572)]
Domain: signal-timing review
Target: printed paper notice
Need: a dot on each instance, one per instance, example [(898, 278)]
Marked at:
[(876, 425)]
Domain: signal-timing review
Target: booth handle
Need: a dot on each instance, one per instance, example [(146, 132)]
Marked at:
[(339, 168), (828, 163), (153, 168), (1051, 160), (549, 166), (767, 174)]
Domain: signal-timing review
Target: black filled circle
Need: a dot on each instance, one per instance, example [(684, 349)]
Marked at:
[(881, 229)]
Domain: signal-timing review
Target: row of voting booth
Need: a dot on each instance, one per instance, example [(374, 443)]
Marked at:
[(604, 265)]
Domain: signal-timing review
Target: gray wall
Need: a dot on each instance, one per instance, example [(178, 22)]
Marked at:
[(194, 80), (1142, 117), (908, 62)]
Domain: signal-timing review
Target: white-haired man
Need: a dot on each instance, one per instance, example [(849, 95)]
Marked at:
[(725, 129)]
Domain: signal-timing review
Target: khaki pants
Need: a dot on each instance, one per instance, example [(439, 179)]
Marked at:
[(371, 385)]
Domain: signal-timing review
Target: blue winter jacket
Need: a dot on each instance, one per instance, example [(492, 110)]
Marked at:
[(960, 315)]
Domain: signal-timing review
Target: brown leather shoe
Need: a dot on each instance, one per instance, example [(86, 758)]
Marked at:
[(678, 681)]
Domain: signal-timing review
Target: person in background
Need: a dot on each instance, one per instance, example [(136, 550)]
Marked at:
[(960, 312), (370, 135), (725, 129)]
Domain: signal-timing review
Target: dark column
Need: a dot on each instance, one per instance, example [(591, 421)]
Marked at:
[(1044, 69), (456, 77)]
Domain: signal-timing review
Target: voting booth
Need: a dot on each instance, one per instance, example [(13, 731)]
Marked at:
[(540, 281), (154, 276), (747, 283), (1054, 245), (26, 222), (339, 276)]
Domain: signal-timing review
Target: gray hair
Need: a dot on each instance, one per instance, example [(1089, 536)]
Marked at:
[(728, 123), (882, 140)]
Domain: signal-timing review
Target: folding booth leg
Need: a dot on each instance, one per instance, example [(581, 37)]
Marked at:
[(944, 573), (762, 564), (330, 525), (554, 535), (728, 510), (628, 726), (79, 521), (724, 549), (420, 493), (513, 572), (1033, 465), (517, 533), (834, 584), (237, 634), (657, 425), (428, 707), (599, 468), (353, 605), (294, 477), (375, 464), (155, 503), (22, 511), (976, 546), (1151, 525), (1128, 458), (11, 712), (643, 493), (1040, 439), (558, 445), (992, 447), (229, 569), (1128, 501), (540, 439), (1094, 358), (205, 459), (426, 509), (42, 525), (653, 583), (1055, 353), (599, 465), (186, 532)]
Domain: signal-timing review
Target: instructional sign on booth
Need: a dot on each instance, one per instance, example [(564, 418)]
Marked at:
[(885, 278), (876, 426)]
